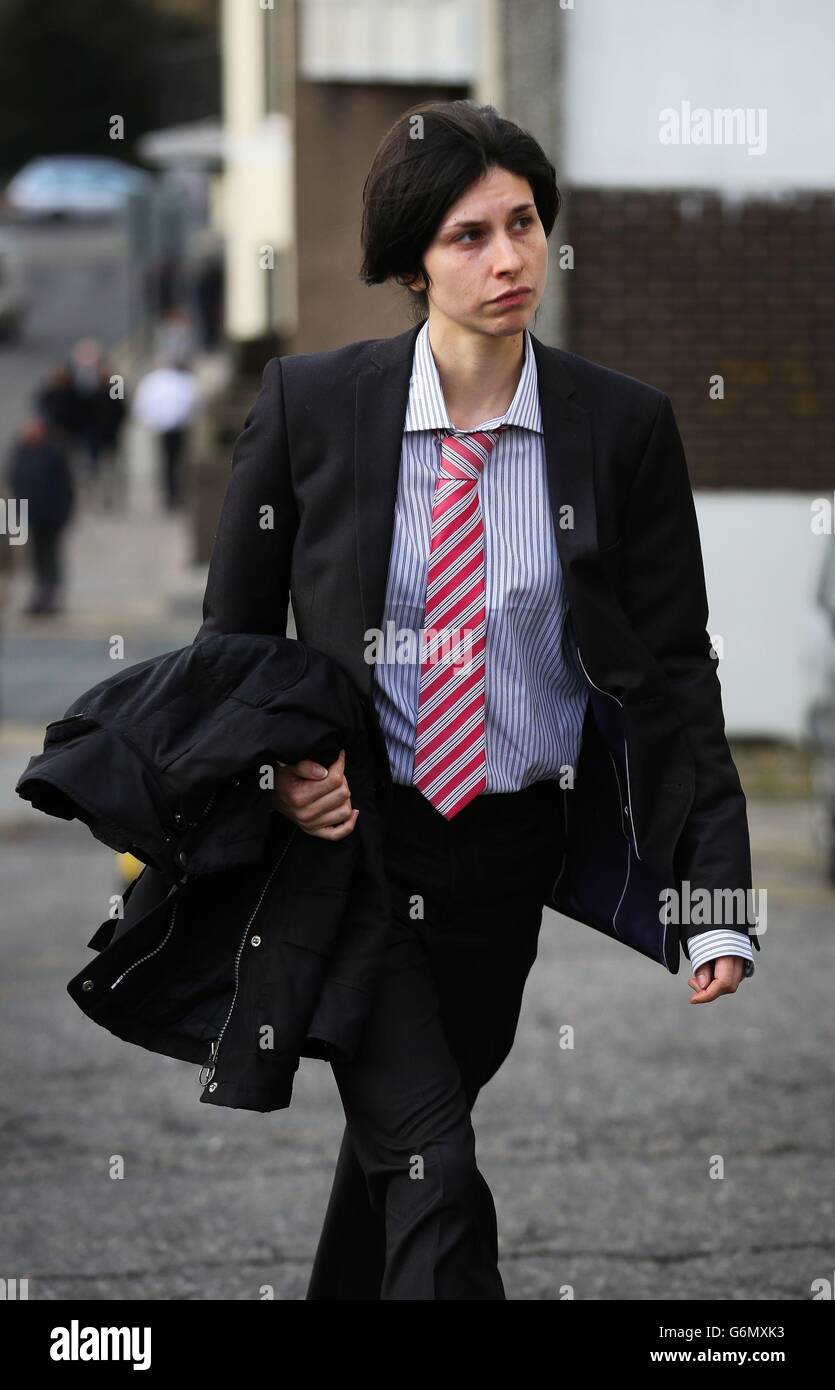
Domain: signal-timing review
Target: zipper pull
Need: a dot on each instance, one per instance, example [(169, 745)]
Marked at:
[(209, 1067)]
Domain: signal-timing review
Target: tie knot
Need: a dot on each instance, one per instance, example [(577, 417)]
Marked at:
[(464, 454)]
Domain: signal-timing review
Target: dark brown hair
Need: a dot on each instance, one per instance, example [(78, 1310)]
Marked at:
[(422, 166)]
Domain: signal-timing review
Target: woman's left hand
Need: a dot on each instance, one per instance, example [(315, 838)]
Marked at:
[(715, 977)]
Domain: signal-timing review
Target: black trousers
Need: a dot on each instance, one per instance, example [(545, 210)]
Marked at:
[(410, 1215), (46, 558), (172, 443)]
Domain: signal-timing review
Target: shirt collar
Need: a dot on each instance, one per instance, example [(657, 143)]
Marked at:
[(426, 409)]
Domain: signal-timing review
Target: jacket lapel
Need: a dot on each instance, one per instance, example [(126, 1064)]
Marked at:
[(382, 392), (568, 458)]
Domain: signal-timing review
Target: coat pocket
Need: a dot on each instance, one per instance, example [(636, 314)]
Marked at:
[(295, 968)]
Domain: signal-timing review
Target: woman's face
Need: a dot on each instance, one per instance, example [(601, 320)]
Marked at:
[(504, 247)]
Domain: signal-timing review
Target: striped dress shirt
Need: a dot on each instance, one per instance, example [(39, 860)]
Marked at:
[(535, 695)]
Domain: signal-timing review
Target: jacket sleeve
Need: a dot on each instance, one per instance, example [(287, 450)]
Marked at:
[(664, 596), (248, 584)]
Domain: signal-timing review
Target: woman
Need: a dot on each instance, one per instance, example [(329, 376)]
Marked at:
[(401, 490)]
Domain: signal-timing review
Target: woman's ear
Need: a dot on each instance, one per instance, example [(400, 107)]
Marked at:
[(416, 284)]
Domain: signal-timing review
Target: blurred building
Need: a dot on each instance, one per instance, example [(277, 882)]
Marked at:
[(309, 88), (711, 256), (187, 67)]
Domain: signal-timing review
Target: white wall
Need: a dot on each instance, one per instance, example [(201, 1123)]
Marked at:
[(762, 565), (431, 41), (627, 62)]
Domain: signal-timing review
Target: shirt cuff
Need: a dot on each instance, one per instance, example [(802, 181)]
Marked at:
[(707, 945)]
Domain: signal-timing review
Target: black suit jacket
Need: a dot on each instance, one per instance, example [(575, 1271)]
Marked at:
[(309, 514)]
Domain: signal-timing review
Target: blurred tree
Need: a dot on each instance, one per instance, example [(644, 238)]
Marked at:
[(66, 68)]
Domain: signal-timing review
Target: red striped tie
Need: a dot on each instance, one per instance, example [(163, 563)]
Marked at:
[(450, 761)]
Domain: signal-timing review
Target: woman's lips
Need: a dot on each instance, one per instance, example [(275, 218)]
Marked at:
[(511, 298)]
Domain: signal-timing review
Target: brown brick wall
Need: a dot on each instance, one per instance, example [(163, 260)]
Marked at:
[(338, 127), (673, 289)]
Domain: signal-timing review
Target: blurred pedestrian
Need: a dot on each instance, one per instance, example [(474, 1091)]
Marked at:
[(108, 415), (85, 374), (175, 337), (7, 566), (6, 572), (166, 401), (209, 289), (79, 401), (39, 470), (55, 401)]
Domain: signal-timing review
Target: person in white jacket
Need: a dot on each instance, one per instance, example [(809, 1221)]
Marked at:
[(166, 401)]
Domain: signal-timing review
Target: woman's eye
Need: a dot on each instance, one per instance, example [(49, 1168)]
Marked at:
[(526, 218)]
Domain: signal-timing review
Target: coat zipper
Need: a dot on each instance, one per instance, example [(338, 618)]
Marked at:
[(156, 948), (214, 1047), (625, 753), (202, 816), (206, 809), (121, 977)]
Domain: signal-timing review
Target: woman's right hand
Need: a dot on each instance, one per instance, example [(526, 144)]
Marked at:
[(319, 805)]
